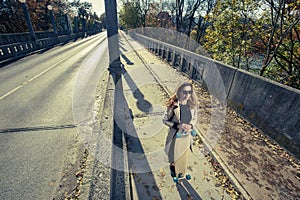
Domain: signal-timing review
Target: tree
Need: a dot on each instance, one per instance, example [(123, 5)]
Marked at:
[(169, 6), (130, 15), (206, 7), (144, 8), (153, 17), (183, 13), (163, 19), (12, 17), (281, 42), (192, 8), (176, 10), (179, 11), (229, 38), (13, 20), (239, 31), (103, 20)]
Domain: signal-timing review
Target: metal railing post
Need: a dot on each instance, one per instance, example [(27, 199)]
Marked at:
[(27, 17)]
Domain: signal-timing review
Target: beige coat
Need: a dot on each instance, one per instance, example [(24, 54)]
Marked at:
[(171, 116)]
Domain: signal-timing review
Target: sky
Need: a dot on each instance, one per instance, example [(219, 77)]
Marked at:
[(98, 6)]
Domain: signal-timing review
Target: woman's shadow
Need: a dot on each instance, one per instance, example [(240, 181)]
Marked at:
[(186, 191)]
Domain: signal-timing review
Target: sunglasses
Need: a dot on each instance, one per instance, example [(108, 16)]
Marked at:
[(187, 92)]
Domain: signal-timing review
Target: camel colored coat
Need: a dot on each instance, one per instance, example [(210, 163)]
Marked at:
[(172, 116)]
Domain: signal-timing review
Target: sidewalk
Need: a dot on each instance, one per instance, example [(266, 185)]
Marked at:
[(142, 91), (231, 159), (259, 167)]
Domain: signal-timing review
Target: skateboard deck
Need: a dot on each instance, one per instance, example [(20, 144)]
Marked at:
[(181, 153)]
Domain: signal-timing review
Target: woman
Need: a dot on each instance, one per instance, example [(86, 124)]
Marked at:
[(181, 117)]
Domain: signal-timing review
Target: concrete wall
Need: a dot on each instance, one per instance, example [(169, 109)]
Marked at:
[(270, 106)]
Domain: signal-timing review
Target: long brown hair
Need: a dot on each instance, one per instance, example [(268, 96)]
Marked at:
[(192, 102)]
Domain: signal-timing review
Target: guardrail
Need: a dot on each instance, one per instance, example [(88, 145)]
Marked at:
[(18, 45), (270, 106), (12, 38)]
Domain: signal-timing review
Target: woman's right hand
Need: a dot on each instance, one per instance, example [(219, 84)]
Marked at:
[(179, 126)]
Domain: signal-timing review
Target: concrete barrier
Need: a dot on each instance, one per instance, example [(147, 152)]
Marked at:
[(268, 105)]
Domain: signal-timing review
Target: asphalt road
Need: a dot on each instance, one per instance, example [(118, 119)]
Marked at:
[(39, 141)]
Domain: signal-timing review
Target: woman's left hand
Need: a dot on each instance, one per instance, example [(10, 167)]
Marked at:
[(186, 127)]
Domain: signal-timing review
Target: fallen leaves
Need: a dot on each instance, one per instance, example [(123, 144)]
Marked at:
[(162, 173), (222, 179), (298, 176)]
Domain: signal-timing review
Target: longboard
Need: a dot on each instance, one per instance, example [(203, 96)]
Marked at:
[(181, 149)]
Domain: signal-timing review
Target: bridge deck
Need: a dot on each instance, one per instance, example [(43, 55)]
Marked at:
[(228, 152)]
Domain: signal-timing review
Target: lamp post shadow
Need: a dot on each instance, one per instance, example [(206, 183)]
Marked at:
[(125, 131), (142, 104)]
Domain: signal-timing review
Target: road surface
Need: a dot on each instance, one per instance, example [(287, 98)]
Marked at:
[(39, 142)]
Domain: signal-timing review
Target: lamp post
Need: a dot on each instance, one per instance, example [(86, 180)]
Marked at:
[(27, 17), (87, 24), (52, 20), (115, 70), (83, 26), (76, 22), (67, 21), (113, 39)]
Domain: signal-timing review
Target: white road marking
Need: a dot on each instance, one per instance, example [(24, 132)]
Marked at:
[(33, 78), (38, 75)]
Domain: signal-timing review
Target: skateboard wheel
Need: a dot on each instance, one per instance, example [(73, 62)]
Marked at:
[(175, 179), (188, 177), (193, 133), (178, 135), (180, 175)]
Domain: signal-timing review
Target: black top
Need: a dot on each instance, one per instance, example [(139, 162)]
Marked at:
[(185, 114)]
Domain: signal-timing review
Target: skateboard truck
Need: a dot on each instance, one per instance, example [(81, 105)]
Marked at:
[(193, 133), (180, 177)]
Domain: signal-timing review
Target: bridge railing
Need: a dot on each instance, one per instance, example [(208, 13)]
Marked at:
[(20, 44), (270, 106), (12, 38)]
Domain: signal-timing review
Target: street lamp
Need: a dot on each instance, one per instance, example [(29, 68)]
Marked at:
[(116, 72), (113, 40), (87, 23), (76, 22), (67, 27), (83, 25), (52, 19), (27, 17)]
